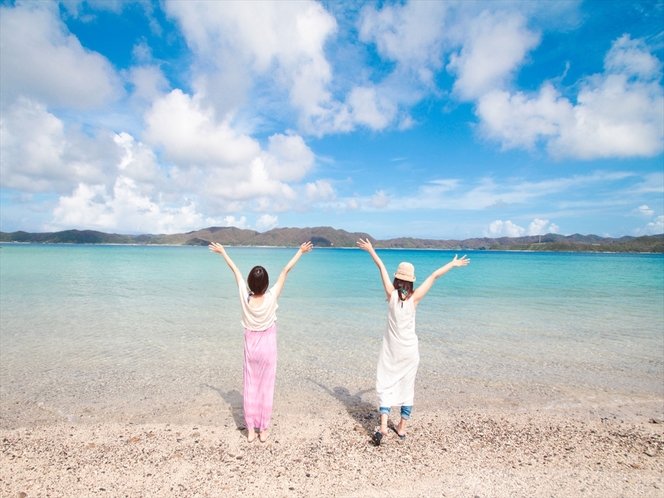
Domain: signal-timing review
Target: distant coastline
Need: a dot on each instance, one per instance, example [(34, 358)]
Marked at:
[(331, 237)]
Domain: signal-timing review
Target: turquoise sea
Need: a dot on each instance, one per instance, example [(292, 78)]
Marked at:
[(153, 333)]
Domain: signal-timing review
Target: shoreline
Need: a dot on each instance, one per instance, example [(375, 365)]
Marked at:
[(447, 452), (473, 250), (123, 376)]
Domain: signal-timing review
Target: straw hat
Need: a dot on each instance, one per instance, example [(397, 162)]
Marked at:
[(406, 272)]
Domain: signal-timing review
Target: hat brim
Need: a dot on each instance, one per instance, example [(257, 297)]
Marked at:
[(403, 276)]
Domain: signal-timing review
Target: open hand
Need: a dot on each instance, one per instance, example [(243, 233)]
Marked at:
[(217, 247), (365, 245), (306, 247), (463, 261)]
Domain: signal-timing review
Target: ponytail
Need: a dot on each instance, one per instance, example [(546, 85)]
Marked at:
[(403, 287)]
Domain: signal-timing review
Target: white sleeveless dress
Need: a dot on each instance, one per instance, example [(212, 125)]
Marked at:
[(399, 355)]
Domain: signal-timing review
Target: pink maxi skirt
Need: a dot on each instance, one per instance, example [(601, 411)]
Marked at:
[(260, 370)]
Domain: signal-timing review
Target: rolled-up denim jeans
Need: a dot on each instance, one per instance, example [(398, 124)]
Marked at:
[(405, 411)]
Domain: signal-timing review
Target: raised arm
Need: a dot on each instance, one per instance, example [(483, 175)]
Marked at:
[(365, 245), (304, 248), (421, 291), (219, 249)]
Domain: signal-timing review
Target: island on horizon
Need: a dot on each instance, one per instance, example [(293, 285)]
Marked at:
[(331, 237)]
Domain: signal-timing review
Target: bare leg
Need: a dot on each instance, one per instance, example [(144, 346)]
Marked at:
[(251, 435), (378, 436), (263, 435), (383, 423), (401, 428)]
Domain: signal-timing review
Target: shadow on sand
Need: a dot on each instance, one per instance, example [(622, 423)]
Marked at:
[(363, 412), (234, 400)]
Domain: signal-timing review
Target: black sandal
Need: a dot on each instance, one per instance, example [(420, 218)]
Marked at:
[(377, 437)]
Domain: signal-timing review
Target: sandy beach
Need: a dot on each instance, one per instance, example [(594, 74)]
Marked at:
[(484, 453), (532, 382)]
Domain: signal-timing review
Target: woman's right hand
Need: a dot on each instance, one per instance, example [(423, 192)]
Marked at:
[(463, 261)]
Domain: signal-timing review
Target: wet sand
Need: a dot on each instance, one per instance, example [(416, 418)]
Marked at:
[(447, 452)]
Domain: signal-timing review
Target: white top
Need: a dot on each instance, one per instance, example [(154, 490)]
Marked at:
[(399, 355), (260, 318)]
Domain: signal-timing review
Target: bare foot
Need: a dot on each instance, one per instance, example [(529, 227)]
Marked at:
[(251, 436), (383, 424), (401, 428), (263, 435)]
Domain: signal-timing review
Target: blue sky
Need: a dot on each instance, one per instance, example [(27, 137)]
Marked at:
[(444, 120)]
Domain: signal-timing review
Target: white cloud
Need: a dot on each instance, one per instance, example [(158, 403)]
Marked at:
[(495, 46), (644, 210), (113, 182), (486, 193), (110, 5), (256, 184), (149, 83), (632, 57), (214, 160), (351, 205), (411, 33), (288, 158), (501, 228), (379, 200), (370, 109), (653, 183), (136, 196), (42, 60), (280, 42), (618, 113), (266, 222), (191, 136), (280, 48), (487, 43), (94, 207), (138, 162), (41, 154), (542, 227), (231, 221), (537, 227), (655, 227), (320, 190), (519, 121)]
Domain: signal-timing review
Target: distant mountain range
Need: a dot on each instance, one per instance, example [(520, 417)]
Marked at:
[(331, 237)]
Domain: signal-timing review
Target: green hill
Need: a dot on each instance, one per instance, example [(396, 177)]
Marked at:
[(331, 237)]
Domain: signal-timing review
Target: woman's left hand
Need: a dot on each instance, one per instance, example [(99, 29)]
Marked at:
[(217, 247)]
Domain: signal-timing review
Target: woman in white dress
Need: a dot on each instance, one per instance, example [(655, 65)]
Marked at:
[(399, 354)]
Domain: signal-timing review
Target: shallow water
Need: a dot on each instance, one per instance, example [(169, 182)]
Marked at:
[(154, 332)]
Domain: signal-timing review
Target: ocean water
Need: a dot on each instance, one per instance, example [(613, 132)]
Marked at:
[(154, 333)]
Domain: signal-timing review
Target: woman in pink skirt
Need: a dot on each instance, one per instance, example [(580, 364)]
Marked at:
[(259, 307)]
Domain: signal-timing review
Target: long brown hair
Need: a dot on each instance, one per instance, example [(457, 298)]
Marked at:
[(404, 288)]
